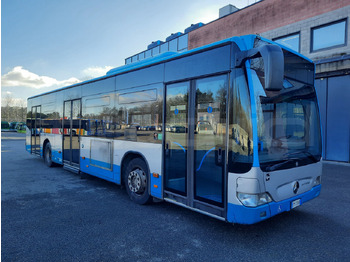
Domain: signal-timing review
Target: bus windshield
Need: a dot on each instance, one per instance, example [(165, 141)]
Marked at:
[(288, 119)]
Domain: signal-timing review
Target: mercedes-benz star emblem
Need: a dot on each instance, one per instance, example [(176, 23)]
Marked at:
[(296, 187)]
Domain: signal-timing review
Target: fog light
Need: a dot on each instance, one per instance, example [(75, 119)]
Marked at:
[(318, 181), (254, 200)]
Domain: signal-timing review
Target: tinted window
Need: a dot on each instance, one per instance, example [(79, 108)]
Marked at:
[(138, 115), (330, 35), (99, 116), (139, 96)]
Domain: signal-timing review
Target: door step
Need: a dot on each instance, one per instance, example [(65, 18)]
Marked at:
[(73, 169), (194, 209)]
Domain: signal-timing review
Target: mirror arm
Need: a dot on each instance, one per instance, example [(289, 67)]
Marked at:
[(243, 56), (273, 58)]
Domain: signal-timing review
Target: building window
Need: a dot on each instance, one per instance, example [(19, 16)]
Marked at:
[(128, 61), (328, 36), (164, 47), (173, 45), (134, 58), (155, 51), (183, 41), (291, 41), (142, 56), (148, 53)]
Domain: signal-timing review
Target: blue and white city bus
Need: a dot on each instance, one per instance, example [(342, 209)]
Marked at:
[(231, 129)]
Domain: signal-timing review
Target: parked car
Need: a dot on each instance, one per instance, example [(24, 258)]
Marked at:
[(5, 125)]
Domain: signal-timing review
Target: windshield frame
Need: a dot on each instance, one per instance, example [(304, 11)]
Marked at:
[(303, 78)]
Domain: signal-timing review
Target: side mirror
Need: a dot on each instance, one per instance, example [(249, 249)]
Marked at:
[(273, 58)]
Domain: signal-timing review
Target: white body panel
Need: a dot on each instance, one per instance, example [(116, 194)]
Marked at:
[(279, 184)]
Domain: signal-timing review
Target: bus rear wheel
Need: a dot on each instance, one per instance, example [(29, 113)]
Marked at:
[(136, 179), (48, 155)]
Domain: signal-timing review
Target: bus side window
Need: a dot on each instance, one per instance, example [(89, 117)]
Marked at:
[(139, 115)]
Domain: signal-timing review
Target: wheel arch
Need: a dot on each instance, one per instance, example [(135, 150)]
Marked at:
[(128, 156)]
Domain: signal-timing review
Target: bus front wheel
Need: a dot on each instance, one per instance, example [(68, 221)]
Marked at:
[(136, 181)]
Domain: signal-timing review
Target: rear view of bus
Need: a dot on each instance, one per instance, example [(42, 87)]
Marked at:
[(282, 168)]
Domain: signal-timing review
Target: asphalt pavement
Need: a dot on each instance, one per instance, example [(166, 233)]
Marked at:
[(50, 214)]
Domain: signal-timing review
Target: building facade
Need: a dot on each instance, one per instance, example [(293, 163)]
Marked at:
[(318, 29)]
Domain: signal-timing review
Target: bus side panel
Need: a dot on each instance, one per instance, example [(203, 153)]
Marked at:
[(56, 146), (153, 156), (96, 153), (96, 158)]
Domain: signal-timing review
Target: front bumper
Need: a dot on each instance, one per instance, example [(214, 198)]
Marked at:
[(250, 215)]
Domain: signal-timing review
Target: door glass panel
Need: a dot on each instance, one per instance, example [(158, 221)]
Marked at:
[(33, 128), (36, 128), (76, 109), (66, 130), (209, 139), (176, 136)]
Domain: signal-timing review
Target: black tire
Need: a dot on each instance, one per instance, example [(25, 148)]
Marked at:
[(136, 180), (48, 155)]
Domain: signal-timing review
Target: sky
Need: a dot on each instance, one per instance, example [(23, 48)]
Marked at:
[(50, 44)]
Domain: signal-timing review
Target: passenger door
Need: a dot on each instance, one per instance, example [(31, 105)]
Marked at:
[(36, 129), (71, 132), (194, 142)]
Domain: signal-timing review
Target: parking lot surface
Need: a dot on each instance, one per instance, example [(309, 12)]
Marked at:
[(50, 214)]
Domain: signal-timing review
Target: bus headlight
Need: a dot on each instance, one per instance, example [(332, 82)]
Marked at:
[(318, 181), (254, 200)]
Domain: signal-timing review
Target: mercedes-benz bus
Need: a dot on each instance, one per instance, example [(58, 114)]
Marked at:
[(230, 130)]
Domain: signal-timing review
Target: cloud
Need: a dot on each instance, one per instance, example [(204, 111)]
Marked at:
[(96, 71), (19, 76)]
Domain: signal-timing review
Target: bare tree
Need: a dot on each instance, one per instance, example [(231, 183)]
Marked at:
[(8, 103)]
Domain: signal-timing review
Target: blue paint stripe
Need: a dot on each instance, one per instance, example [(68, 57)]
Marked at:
[(110, 175), (176, 143), (100, 164), (200, 165)]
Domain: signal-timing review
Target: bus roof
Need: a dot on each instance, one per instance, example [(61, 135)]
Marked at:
[(244, 42)]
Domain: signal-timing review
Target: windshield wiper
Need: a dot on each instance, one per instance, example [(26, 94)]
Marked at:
[(280, 164), (305, 152)]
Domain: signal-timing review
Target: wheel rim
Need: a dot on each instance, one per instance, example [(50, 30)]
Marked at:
[(137, 181)]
